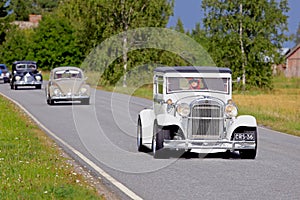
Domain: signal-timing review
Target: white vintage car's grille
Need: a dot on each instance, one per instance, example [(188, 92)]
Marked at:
[(207, 120)]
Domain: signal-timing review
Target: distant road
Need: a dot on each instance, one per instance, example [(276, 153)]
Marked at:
[(103, 137)]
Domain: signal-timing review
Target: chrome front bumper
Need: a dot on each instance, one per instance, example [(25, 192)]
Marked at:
[(209, 144), (69, 98), (24, 83)]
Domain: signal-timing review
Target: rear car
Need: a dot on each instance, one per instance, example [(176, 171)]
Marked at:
[(4, 74)]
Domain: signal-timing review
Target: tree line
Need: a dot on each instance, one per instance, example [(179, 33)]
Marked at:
[(243, 35)]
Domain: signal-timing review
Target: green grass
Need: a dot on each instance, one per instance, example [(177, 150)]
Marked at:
[(282, 82), (31, 165), (45, 75)]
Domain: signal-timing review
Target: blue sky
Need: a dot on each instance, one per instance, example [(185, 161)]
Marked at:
[(190, 13)]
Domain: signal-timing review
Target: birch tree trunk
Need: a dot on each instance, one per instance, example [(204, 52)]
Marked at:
[(125, 22), (125, 51), (242, 48)]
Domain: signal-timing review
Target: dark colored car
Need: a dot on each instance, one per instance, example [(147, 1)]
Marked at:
[(4, 74), (25, 73)]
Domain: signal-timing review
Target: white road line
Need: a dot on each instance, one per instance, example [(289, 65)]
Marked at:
[(116, 183)]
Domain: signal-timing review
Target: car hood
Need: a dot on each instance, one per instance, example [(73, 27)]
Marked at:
[(4, 70), (67, 86), (194, 98)]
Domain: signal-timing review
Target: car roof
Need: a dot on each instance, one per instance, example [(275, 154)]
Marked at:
[(192, 69), (66, 68), (25, 62)]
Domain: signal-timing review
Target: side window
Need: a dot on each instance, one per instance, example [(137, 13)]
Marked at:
[(160, 82)]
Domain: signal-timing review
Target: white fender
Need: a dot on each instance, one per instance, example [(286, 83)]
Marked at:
[(147, 117), (243, 120), (167, 120)]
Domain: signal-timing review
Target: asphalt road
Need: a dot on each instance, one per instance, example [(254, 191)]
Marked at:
[(105, 133)]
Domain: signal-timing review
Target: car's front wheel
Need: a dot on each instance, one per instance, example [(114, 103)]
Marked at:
[(50, 101), (248, 154), (85, 101), (157, 142), (13, 86)]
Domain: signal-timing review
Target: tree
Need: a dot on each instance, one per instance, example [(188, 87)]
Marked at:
[(5, 20), (54, 43), (17, 44), (22, 8), (199, 35), (131, 14), (97, 20), (41, 6), (245, 34), (179, 26), (297, 36)]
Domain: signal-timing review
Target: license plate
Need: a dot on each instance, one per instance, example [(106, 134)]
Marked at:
[(244, 136)]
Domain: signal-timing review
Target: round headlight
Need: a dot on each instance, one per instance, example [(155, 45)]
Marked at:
[(231, 110), (38, 78), (83, 90), (183, 109), (56, 91), (7, 74), (18, 78)]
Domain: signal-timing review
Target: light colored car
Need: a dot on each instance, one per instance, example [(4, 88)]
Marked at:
[(193, 111), (67, 84)]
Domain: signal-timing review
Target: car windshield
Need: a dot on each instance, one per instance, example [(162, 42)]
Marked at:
[(67, 74), (179, 84), (26, 66), (2, 67)]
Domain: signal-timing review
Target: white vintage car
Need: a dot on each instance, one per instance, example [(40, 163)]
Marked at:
[(193, 111)]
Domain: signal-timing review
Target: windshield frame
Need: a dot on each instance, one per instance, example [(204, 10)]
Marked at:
[(206, 83), (67, 74)]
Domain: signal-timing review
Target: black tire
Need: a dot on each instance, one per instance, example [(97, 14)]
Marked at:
[(249, 153), (159, 136), (50, 101), (140, 146), (226, 155), (11, 86), (38, 87)]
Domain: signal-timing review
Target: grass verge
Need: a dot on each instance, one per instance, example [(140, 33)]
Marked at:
[(31, 165), (278, 109)]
